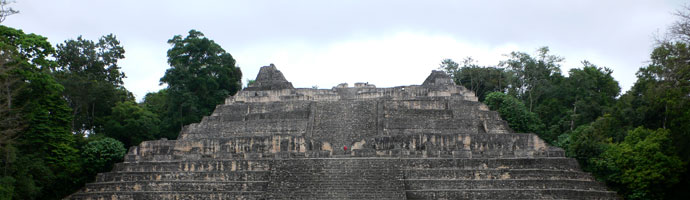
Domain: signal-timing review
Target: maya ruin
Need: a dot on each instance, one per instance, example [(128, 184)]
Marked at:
[(274, 141)]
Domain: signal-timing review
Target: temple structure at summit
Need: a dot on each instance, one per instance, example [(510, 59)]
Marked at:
[(274, 141)]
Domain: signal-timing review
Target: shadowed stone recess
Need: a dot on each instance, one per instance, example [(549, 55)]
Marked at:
[(273, 141)]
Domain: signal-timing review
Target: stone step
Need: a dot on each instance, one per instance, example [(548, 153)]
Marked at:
[(342, 163), (209, 165), (510, 194), (442, 153), (203, 165), (168, 195), (344, 186), (183, 176), (448, 184), (336, 174), (244, 128), (395, 153), (435, 137), (236, 156), (407, 123), (341, 191), (222, 118), (489, 174), (337, 178), (176, 186), (447, 141), (566, 164), (235, 110), (341, 195)]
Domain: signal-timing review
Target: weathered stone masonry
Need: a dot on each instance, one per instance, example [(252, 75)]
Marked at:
[(274, 141)]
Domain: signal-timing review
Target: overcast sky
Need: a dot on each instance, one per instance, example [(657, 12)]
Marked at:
[(386, 43)]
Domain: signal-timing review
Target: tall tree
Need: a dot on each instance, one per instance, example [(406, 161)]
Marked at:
[(92, 79), (48, 137), (533, 75), (660, 95), (592, 92), (659, 99), (201, 76), (450, 67), (43, 153), (479, 79), (482, 79), (20, 55), (11, 84)]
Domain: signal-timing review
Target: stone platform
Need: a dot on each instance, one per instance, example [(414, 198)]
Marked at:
[(273, 141)]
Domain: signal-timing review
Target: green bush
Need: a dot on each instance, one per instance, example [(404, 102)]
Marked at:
[(515, 112), (643, 166), (100, 155)]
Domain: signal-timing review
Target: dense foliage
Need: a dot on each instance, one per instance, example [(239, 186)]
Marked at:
[(478, 79), (93, 81), (643, 166), (100, 155), (65, 114), (201, 76), (40, 150), (637, 142), (515, 112), (131, 124)]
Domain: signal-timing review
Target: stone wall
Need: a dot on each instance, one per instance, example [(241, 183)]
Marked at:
[(272, 141)]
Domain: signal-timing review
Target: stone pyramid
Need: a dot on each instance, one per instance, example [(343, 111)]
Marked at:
[(274, 141)]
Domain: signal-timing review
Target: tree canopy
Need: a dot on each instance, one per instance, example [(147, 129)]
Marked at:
[(643, 166), (41, 151), (479, 79), (201, 75), (584, 114), (93, 80)]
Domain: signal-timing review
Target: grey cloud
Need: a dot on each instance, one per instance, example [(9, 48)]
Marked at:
[(619, 31)]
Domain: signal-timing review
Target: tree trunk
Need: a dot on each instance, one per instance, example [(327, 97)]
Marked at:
[(9, 96), (530, 100), (74, 118), (499, 78), (665, 114), (572, 118)]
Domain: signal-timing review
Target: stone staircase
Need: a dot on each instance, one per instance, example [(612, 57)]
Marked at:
[(198, 179), (271, 141), (501, 178), (337, 178)]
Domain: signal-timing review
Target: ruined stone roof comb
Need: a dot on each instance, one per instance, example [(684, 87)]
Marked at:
[(269, 78), (438, 78)]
